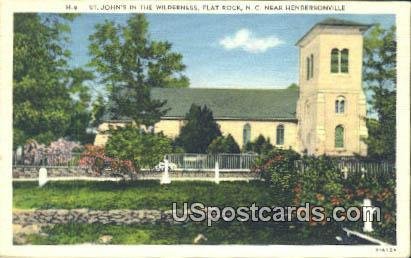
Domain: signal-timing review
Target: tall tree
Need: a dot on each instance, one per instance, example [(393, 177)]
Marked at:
[(81, 115), (43, 88), (380, 78), (130, 64), (199, 131)]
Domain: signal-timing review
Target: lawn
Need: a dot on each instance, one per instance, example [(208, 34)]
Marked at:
[(152, 195), (140, 194), (220, 233)]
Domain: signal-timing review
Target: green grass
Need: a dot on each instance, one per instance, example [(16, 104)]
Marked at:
[(141, 194), (152, 195), (220, 233)]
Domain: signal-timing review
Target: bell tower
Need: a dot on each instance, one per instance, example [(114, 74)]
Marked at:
[(331, 108)]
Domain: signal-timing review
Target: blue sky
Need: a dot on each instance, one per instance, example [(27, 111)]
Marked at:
[(239, 51)]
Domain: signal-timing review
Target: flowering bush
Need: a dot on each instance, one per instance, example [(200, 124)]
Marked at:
[(277, 167), (319, 181), (34, 153), (380, 188), (95, 158), (60, 152), (320, 184), (57, 153)]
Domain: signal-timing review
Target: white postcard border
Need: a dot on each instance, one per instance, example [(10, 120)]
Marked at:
[(402, 12)]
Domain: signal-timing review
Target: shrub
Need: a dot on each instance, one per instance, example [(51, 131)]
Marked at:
[(277, 167), (57, 153), (94, 158), (223, 144), (199, 130), (143, 149), (33, 152), (319, 183), (261, 145), (380, 188)]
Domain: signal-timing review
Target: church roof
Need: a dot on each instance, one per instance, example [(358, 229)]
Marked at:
[(237, 104)]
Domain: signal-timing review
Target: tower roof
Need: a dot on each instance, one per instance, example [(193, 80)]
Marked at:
[(332, 22), (339, 22)]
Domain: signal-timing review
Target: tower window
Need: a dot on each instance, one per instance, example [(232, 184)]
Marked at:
[(340, 105), (280, 135), (339, 136), (334, 60), (246, 133), (312, 66), (344, 60)]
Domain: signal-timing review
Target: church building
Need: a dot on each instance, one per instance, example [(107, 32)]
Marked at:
[(326, 115)]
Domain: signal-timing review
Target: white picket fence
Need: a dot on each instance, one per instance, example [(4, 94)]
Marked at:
[(207, 162)]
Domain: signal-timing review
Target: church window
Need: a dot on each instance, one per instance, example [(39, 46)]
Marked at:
[(344, 60), (308, 68), (339, 136), (246, 133), (334, 60), (280, 135), (340, 105)]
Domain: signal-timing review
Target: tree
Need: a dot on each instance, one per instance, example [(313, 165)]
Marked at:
[(223, 144), (43, 84), (130, 64), (98, 110), (199, 131), (293, 86), (81, 117), (260, 145), (380, 78), (142, 148)]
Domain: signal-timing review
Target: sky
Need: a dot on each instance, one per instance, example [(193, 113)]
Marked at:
[(224, 51)]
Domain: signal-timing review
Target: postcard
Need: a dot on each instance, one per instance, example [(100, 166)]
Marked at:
[(204, 129)]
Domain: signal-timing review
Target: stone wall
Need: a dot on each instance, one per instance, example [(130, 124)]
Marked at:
[(33, 172), (86, 216)]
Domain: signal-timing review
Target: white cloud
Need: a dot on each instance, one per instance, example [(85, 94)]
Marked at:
[(245, 40)]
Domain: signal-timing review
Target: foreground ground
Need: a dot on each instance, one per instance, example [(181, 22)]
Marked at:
[(140, 194), (152, 195)]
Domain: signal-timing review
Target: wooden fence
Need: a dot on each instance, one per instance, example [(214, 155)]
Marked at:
[(207, 162)]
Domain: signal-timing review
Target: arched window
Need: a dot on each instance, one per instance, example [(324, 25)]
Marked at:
[(280, 135), (246, 133), (308, 68), (340, 105), (312, 66), (339, 136), (344, 61), (334, 60)]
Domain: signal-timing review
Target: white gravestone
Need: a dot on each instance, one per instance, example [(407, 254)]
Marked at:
[(42, 177), (217, 173), (368, 209), (165, 179), (345, 172)]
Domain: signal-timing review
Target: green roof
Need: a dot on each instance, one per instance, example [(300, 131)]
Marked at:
[(237, 104), (249, 104)]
